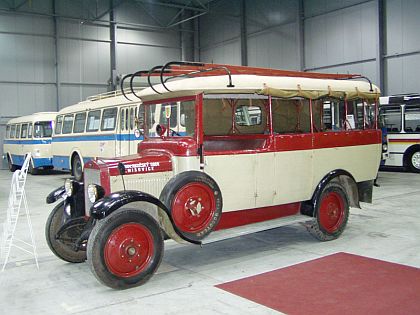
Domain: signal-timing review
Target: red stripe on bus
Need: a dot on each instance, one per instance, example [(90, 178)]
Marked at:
[(405, 140)]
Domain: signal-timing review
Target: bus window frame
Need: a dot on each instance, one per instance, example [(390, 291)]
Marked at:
[(84, 124), (87, 120)]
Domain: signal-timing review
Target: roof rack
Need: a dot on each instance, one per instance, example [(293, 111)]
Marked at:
[(185, 69)]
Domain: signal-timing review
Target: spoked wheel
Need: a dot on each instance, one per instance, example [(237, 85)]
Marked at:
[(414, 161), (11, 166), (125, 249), (77, 168), (63, 247), (331, 213), (195, 202)]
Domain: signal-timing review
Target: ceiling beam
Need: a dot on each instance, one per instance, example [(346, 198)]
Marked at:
[(173, 5)]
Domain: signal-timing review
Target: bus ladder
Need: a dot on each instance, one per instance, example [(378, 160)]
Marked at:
[(17, 196)]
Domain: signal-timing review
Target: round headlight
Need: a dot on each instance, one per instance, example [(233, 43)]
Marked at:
[(92, 193), (68, 186), (384, 147)]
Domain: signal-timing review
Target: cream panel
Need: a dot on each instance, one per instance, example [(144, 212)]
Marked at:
[(86, 148), (182, 164), (360, 161), (265, 176), (38, 150), (235, 175), (293, 176)]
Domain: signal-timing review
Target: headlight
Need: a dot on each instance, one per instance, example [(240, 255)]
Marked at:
[(384, 147), (69, 187), (95, 192)]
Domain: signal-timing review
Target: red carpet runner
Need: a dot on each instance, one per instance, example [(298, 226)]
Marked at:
[(337, 284)]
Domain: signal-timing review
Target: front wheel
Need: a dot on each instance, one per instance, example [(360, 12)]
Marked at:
[(125, 249), (63, 248), (414, 161), (331, 213)]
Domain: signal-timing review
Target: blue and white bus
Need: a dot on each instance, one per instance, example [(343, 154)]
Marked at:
[(31, 133), (105, 125)]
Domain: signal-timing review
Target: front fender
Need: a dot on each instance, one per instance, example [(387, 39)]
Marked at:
[(55, 195), (107, 205)]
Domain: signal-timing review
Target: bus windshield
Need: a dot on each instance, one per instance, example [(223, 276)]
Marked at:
[(42, 129)]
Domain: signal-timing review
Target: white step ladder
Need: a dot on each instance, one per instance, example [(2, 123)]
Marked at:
[(16, 197)]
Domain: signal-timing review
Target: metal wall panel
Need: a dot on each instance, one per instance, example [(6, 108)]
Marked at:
[(402, 74)]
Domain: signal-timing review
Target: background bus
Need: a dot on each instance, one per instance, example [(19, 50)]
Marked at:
[(105, 125), (30, 133), (400, 115)]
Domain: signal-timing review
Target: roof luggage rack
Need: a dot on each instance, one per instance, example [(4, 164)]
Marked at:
[(185, 69)]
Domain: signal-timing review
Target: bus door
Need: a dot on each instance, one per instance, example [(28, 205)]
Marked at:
[(128, 135)]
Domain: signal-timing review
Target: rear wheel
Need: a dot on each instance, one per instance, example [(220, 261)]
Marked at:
[(11, 166), (125, 249), (63, 248), (414, 161), (331, 213), (31, 169), (77, 168)]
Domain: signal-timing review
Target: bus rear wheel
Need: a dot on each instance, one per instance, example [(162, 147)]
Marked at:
[(11, 166), (331, 213), (77, 168), (414, 161)]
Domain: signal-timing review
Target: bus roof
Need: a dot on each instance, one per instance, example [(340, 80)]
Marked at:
[(40, 116), (400, 99), (281, 86)]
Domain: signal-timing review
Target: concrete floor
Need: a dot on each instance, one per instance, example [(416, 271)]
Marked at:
[(388, 229)]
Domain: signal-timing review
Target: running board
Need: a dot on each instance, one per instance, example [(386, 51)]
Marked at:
[(254, 228)]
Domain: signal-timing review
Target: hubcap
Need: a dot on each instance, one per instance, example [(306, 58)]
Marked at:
[(415, 160), (193, 207), (331, 212), (128, 250)]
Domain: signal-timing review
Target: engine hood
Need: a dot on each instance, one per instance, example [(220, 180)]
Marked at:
[(151, 161)]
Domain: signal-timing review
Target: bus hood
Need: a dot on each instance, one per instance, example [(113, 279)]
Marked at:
[(152, 161)]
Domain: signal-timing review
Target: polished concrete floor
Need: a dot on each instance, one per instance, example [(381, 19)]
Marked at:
[(388, 229)]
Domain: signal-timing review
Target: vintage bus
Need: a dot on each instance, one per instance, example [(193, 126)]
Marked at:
[(400, 115), (31, 133), (261, 148), (104, 125)]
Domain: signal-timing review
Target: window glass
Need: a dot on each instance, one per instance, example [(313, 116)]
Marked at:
[(79, 122), (122, 119), (131, 118), (140, 118), (12, 131), (43, 129), (30, 131), (354, 118), (412, 118), (109, 119), (7, 131), (169, 111), (370, 113), (93, 120), (67, 124), (248, 115), (334, 115), (24, 131), (17, 131), (391, 118), (291, 115), (126, 118), (59, 123)]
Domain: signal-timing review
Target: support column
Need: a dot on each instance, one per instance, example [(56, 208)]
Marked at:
[(57, 58), (113, 48), (380, 45), (301, 35), (244, 37)]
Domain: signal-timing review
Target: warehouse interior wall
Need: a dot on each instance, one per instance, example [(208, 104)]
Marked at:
[(55, 53)]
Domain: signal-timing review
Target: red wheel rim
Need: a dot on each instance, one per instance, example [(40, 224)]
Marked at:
[(331, 212), (193, 207), (129, 250)]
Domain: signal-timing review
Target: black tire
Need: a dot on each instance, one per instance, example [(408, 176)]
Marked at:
[(413, 161), (31, 169), (331, 213), (77, 168), (125, 249), (61, 250), (186, 209), (11, 166)]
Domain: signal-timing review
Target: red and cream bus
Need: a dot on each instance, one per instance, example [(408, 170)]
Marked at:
[(262, 148), (400, 115)]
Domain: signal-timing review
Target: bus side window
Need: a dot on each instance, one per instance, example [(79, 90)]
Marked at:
[(131, 118), (412, 118), (109, 118), (291, 115), (59, 123), (30, 127), (122, 119), (79, 122), (126, 118), (67, 124), (93, 121), (12, 131), (17, 131), (24, 131)]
